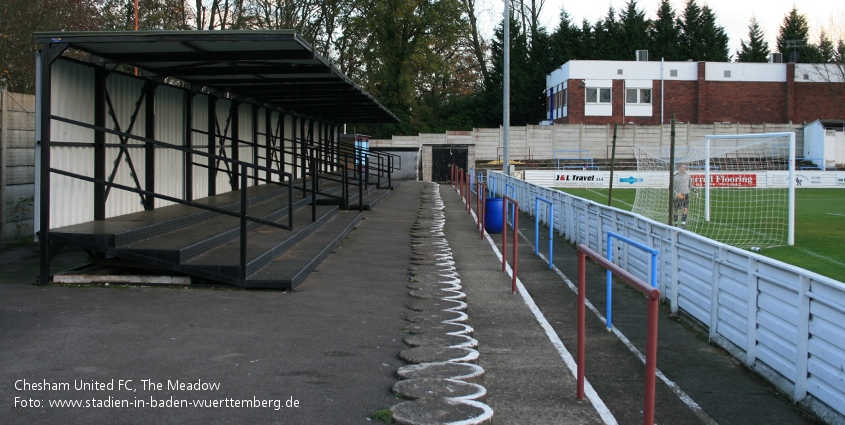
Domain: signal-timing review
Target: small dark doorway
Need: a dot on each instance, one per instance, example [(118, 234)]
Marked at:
[(445, 156)]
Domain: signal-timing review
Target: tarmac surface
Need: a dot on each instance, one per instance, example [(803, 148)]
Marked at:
[(330, 352)]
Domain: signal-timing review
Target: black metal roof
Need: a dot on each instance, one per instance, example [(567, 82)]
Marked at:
[(273, 67)]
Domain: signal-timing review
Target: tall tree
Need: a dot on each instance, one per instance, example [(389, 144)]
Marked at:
[(839, 58), (566, 41), (529, 12), (664, 34), (494, 87), (689, 25), (588, 41), (527, 77), (407, 47), (634, 29), (473, 35), (793, 36), (607, 36), (20, 18), (702, 39), (757, 48), (119, 15), (538, 65), (824, 50)]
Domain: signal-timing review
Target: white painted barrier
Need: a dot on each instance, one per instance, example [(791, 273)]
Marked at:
[(784, 322)]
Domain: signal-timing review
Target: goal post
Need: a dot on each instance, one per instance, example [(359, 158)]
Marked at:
[(740, 187), (790, 136)]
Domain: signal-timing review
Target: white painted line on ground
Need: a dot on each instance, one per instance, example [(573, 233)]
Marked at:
[(685, 398), (594, 398), (813, 254), (589, 391)]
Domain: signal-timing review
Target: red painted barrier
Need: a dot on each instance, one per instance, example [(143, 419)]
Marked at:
[(505, 199), (468, 192), (651, 326), (481, 207)]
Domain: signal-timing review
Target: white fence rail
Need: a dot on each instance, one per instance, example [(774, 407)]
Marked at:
[(784, 322)]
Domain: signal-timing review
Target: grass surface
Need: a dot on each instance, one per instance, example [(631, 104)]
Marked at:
[(819, 227)]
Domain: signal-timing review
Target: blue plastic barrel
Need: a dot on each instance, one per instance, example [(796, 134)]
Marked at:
[(493, 215)]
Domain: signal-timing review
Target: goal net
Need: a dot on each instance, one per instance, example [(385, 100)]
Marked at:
[(741, 188)]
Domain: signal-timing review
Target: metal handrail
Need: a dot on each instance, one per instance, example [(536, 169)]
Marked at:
[(537, 201), (654, 252), (505, 199), (242, 166), (653, 295)]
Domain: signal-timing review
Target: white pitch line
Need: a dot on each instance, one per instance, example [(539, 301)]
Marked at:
[(615, 200), (813, 254)]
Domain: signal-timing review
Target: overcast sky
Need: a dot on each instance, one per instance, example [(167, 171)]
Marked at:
[(733, 15)]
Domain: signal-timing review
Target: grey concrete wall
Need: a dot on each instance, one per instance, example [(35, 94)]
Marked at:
[(408, 162), (17, 164), (595, 141)]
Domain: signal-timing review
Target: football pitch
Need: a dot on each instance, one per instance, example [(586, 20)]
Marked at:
[(819, 227)]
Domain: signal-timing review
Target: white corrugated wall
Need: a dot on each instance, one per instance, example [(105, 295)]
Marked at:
[(73, 85)]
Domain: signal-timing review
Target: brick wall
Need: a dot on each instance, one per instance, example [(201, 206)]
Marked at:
[(680, 100), (745, 102), (814, 101), (703, 102)]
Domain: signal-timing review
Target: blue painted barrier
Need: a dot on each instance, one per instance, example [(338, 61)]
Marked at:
[(652, 251)]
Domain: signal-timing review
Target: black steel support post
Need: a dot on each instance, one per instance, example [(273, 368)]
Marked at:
[(390, 172), (380, 162), (344, 184), (234, 115), (212, 140), (303, 156), (149, 148), (335, 155), (365, 162), (188, 166), (281, 139), (294, 148), (255, 109), (243, 177), (268, 144), (360, 193), (290, 202), (49, 53), (320, 152), (99, 144), (314, 175)]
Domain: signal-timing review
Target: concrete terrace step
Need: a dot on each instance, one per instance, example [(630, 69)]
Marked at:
[(129, 228), (263, 244), (291, 267), (189, 241)]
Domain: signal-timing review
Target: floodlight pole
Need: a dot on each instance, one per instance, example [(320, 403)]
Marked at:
[(506, 101)]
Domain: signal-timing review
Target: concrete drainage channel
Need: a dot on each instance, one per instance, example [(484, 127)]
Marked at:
[(442, 381)]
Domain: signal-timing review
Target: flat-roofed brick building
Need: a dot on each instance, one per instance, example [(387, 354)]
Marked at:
[(642, 92)]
